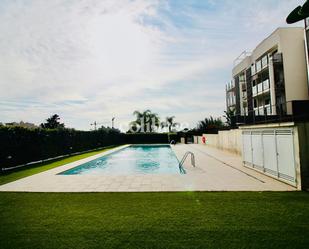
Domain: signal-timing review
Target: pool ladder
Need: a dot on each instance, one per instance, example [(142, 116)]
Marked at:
[(185, 157)]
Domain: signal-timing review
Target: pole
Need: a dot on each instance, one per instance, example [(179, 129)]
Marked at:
[(95, 125), (113, 122)]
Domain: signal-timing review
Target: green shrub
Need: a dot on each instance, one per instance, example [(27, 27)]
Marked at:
[(21, 145)]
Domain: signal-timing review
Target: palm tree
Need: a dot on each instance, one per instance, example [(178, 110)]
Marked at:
[(229, 114), (209, 124), (53, 123), (169, 122), (145, 121)]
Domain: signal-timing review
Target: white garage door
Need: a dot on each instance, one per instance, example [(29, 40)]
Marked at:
[(247, 149), (285, 154), (270, 151), (257, 149)]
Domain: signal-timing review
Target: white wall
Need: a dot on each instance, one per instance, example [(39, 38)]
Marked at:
[(224, 140)]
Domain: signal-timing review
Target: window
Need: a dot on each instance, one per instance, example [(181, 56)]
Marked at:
[(264, 61), (258, 65), (264, 75), (253, 71), (242, 77), (232, 83), (265, 84), (231, 98), (254, 103), (267, 101)]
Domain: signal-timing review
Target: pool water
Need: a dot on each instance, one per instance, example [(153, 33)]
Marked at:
[(141, 159)]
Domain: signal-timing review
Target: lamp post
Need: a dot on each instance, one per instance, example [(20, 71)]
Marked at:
[(299, 13), (113, 122), (95, 125)]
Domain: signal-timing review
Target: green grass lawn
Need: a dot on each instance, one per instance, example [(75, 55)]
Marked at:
[(154, 220), (23, 172)]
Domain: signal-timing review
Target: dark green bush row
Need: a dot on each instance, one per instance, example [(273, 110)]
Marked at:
[(20, 145)]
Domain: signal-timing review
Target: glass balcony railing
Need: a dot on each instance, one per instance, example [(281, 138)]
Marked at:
[(262, 110), (254, 90), (267, 109), (230, 86), (265, 85), (260, 88)]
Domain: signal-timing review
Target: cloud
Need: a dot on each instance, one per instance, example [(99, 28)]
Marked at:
[(91, 60)]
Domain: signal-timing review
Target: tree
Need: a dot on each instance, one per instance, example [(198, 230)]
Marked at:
[(52, 123), (109, 130), (169, 122), (209, 125), (229, 114), (145, 121)]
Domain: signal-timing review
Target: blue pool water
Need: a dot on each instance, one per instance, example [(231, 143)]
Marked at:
[(141, 159)]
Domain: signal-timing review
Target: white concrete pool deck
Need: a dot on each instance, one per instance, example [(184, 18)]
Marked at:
[(215, 170)]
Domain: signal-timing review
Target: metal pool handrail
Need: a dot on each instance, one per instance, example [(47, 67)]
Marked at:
[(185, 157)]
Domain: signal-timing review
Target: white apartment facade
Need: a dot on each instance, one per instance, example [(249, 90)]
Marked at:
[(266, 81)]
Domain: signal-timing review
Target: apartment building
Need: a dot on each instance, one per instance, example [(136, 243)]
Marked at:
[(268, 80)]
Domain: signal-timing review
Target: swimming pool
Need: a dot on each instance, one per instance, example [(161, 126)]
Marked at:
[(135, 159)]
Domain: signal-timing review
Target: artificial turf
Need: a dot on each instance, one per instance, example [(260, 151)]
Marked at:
[(154, 220), (23, 172)]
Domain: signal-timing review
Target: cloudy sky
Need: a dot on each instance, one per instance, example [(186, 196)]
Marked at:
[(90, 60)]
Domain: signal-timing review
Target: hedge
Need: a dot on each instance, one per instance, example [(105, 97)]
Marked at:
[(21, 145)]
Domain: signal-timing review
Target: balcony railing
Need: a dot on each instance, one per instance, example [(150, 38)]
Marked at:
[(260, 88), (265, 85), (273, 114), (262, 110), (254, 90), (267, 109), (230, 86)]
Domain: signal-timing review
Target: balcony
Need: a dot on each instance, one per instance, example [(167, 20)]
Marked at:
[(262, 110), (260, 88), (230, 86), (243, 86), (267, 109), (266, 85), (254, 91)]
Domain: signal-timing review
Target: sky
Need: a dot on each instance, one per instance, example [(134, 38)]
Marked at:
[(91, 60)]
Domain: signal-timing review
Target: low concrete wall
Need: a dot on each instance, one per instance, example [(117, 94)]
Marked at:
[(198, 139), (232, 141), (226, 140)]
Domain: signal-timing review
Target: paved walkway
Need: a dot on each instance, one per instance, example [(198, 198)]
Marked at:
[(215, 171)]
